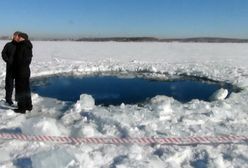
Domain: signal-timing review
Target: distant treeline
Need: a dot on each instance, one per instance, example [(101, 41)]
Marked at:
[(149, 39), (152, 39)]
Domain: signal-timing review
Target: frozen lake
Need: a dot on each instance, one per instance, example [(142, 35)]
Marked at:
[(162, 116)]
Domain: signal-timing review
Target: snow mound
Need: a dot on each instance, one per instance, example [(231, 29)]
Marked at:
[(54, 158), (87, 131), (162, 105), (43, 126), (85, 103), (220, 94), (136, 152)]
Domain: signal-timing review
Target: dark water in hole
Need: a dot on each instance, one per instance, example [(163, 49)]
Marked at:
[(111, 90)]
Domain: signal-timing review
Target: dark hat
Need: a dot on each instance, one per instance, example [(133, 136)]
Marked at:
[(23, 35), (17, 33)]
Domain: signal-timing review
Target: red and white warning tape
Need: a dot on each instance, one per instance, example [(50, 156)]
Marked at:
[(141, 141)]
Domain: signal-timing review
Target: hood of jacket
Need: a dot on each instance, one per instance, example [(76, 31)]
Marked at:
[(26, 43)]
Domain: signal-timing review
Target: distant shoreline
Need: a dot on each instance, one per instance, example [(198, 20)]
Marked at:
[(151, 39), (148, 39)]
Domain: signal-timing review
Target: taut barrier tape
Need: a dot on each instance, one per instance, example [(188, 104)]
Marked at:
[(141, 141)]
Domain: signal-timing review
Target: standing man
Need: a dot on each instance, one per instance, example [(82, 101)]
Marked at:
[(8, 56), (22, 60)]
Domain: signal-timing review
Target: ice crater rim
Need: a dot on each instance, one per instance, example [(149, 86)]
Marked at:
[(142, 75), (230, 88)]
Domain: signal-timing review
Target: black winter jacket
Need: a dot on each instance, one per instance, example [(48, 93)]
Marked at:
[(22, 59), (9, 52)]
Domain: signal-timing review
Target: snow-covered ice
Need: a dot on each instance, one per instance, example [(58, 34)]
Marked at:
[(162, 116), (220, 94), (86, 102)]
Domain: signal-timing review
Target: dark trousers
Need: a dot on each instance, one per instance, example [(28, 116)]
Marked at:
[(23, 93), (9, 86)]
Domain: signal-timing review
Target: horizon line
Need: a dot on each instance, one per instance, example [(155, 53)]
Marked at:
[(138, 39)]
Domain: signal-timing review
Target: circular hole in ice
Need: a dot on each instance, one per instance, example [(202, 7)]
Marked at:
[(114, 89)]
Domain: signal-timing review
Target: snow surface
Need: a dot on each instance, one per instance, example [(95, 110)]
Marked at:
[(162, 116)]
